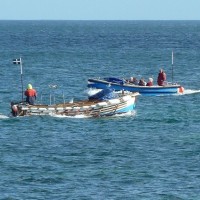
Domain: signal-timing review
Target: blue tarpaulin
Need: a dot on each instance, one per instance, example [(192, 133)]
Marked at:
[(104, 94), (114, 80)]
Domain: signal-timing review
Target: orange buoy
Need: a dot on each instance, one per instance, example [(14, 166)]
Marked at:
[(181, 89)]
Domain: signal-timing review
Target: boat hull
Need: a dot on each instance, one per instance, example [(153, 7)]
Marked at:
[(144, 90), (88, 108)]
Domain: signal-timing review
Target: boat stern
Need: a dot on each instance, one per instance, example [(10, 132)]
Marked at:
[(129, 103)]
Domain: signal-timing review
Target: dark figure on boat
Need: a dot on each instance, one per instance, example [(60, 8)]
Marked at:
[(30, 94), (142, 82), (14, 109), (161, 78), (133, 80), (150, 82)]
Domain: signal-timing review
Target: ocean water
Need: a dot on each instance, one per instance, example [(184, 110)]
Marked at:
[(153, 154)]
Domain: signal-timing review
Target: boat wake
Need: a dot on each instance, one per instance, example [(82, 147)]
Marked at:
[(3, 116), (130, 113), (92, 91), (188, 91), (64, 116)]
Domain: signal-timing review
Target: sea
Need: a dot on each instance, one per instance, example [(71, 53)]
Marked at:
[(153, 153)]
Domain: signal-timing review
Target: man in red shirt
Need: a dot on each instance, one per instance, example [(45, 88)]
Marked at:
[(30, 94), (161, 77)]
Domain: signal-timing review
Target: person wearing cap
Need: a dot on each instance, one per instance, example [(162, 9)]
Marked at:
[(30, 94), (161, 78), (150, 82)]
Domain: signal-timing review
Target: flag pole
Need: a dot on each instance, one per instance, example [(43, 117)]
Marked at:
[(22, 79), (17, 62), (172, 66)]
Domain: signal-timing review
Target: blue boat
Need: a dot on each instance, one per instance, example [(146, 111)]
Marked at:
[(120, 84)]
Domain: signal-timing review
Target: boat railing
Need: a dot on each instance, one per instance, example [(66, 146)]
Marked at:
[(170, 83)]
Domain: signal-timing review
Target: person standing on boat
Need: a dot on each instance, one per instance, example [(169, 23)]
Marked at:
[(150, 82), (161, 78), (30, 94)]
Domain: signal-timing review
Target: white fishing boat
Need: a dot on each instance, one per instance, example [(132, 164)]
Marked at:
[(94, 106), (104, 103)]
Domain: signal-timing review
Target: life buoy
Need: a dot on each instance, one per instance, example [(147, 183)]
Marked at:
[(181, 90)]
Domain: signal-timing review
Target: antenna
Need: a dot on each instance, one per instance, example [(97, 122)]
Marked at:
[(172, 66), (22, 79)]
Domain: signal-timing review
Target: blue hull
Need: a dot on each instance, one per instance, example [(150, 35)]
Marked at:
[(129, 107), (145, 90), (126, 109)]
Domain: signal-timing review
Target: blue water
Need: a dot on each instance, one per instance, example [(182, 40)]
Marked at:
[(154, 154)]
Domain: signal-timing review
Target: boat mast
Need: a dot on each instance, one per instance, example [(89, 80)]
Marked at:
[(22, 79), (172, 66), (18, 61)]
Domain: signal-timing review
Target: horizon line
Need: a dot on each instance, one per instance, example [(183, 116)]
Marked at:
[(99, 19)]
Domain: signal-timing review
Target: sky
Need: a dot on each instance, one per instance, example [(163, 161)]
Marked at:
[(99, 9)]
